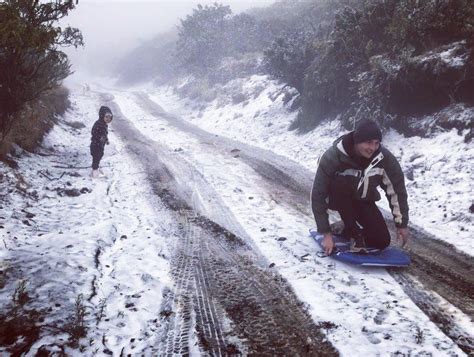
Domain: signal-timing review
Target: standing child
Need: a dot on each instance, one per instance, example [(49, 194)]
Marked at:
[(99, 139)]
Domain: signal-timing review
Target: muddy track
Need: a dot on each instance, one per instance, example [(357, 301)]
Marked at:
[(437, 267), (429, 303), (223, 295), (189, 304), (293, 180), (444, 273), (217, 280), (445, 267)]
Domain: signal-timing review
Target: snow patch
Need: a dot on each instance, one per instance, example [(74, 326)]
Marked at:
[(438, 169)]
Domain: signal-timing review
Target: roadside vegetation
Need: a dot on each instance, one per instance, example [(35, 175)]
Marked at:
[(32, 68), (398, 62), (31, 97)]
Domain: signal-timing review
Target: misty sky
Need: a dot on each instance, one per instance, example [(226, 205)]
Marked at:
[(111, 27)]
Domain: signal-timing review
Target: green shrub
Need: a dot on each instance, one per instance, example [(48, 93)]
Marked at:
[(376, 62), (30, 62)]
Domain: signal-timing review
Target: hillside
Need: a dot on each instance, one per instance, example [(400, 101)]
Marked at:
[(408, 65)]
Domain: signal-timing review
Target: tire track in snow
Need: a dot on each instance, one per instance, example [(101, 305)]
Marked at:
[(264, 316), (437, 265), (130, 260)]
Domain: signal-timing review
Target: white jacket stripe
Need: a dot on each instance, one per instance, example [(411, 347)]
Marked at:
[(397, 214), (374, 172)]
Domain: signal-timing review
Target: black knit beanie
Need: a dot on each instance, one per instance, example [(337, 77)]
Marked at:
[(104, 110), (367, 130)]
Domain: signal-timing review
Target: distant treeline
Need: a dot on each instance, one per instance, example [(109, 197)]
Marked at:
[(391, 60)]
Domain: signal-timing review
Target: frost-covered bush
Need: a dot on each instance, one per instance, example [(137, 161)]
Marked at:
[(211, 34), (288, 58), (303, 24), (391, 60), (427, 83), (202, 38)]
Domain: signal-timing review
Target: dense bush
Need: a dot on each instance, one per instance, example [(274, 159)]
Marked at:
[(212, 34), (288, 58), (202, 38), (30, 62), (385, 60), (243, 34), (304, 24)]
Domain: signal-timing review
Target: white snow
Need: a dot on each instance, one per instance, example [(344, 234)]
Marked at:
[(126, 224), (57, 254), (440, 192), (370, 310), (447, 54), (449, 57)]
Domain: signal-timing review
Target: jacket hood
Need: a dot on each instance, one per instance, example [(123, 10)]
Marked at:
[(337, 144), (344, 145), (104, 110)]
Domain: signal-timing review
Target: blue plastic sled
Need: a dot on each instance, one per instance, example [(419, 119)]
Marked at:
[(388, 257)]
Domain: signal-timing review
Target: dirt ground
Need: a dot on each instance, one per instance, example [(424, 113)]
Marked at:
[(439, 273)]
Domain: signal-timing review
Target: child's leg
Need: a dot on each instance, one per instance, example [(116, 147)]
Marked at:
[(96, 157)]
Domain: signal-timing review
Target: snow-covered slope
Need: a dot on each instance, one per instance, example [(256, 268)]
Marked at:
[(70, 236), (438, 169), (106, 243), (383, 320)]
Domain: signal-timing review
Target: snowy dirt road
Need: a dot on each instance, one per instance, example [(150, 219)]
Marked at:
[(440, 280), (223, 289), (195, 244), (288, 183)]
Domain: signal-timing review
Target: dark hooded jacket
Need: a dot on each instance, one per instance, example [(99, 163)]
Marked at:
[(365, 175), (100, 131)]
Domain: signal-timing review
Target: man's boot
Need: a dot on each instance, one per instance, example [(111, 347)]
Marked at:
[(358, 243)]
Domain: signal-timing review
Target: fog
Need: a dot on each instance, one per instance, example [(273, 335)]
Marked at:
[(111, 28)]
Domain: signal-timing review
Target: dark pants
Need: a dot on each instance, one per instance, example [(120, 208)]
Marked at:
[(97, 154), (366, 213)]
